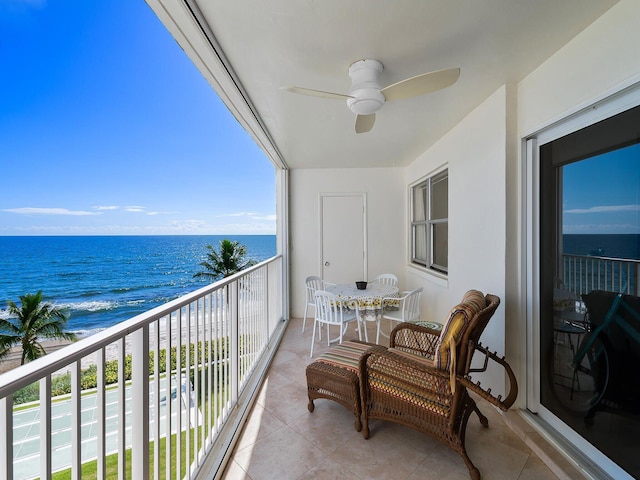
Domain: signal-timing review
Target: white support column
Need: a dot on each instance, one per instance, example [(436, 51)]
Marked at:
[(282, 231), (140, 408)]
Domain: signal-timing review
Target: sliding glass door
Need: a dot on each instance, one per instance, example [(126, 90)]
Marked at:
[(589, 284)]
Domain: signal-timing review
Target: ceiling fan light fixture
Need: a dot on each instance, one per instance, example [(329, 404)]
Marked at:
[(365, 101), (365, 87)]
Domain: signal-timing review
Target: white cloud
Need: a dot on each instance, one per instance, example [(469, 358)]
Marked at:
[(238, 214), (606, 209), (105, 207), (48, 211), (270, 217), (134, 208)]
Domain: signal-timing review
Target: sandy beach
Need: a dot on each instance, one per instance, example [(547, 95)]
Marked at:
[(12, 360)]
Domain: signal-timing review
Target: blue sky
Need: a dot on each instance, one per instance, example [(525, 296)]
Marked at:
[(107, 128), (602, 194)]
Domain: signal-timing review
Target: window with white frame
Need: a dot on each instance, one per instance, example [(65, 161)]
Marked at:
[(430, 222)]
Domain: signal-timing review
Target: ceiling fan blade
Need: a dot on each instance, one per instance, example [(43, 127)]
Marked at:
[(421, 84), (315, 93), (364, 123)]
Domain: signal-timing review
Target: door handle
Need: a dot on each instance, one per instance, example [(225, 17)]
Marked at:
[(326, 264)]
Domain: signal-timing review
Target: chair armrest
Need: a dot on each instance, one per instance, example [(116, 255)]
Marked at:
[(415, 339), (400, 298), (486, 394)]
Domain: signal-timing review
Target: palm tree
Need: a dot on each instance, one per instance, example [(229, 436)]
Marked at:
[(35, 320), (228, 260)]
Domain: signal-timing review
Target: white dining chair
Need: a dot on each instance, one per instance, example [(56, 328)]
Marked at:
[(386, 279), (408, 309), (312, 284), (330, 311)]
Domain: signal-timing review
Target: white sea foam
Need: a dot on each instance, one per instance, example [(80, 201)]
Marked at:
[(89, 306), (87, 332)]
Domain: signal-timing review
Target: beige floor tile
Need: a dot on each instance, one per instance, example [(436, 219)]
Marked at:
[(235, 472), (283, 440), (329, 427), (281, 455), (535, 469), (381, 456), (288, 402), (441, 464), (329, 469), (259, 424)]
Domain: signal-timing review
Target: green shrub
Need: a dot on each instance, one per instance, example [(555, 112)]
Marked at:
[(61, 384)]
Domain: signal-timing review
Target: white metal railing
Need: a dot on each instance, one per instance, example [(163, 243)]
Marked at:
[(582, 274), (181, 368)]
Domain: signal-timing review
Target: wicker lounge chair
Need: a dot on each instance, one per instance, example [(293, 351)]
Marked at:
[(422, 380)]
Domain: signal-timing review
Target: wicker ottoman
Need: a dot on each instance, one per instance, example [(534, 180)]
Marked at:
[(334, 375)]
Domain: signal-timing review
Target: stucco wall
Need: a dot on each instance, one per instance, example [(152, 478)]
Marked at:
[(475, 154), (386, 199), (598, 62)]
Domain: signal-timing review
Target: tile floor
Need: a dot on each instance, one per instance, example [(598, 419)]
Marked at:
[(282, 440)]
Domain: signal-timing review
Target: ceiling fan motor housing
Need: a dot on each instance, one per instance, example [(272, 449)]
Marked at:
[(365, 87)]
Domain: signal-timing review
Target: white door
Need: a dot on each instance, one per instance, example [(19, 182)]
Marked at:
[(343, 246)]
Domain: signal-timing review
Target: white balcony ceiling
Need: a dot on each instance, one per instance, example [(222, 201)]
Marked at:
[(270, 44)]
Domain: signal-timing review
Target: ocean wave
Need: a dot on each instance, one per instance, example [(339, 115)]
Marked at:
[(87, 332), (89, 306)]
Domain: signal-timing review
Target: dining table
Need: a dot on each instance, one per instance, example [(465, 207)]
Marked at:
[(368, 300)]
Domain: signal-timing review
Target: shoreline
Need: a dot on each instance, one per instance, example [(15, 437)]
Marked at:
[(12, 360)]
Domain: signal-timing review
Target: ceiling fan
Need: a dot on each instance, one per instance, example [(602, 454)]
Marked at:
[(366, 96)]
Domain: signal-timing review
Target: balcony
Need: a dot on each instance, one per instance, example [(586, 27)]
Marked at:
[(584, 273), (281, 439), (213, 387)]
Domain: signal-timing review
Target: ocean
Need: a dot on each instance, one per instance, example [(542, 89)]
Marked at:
[(102, 280), (612, 245)]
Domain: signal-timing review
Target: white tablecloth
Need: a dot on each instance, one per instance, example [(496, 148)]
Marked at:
[(369, 300)]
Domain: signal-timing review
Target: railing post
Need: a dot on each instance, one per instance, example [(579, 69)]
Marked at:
[(101, 414), (122, 424), (234, 340), (140, 410), (6, 438), (45, 427), (76, 422)]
